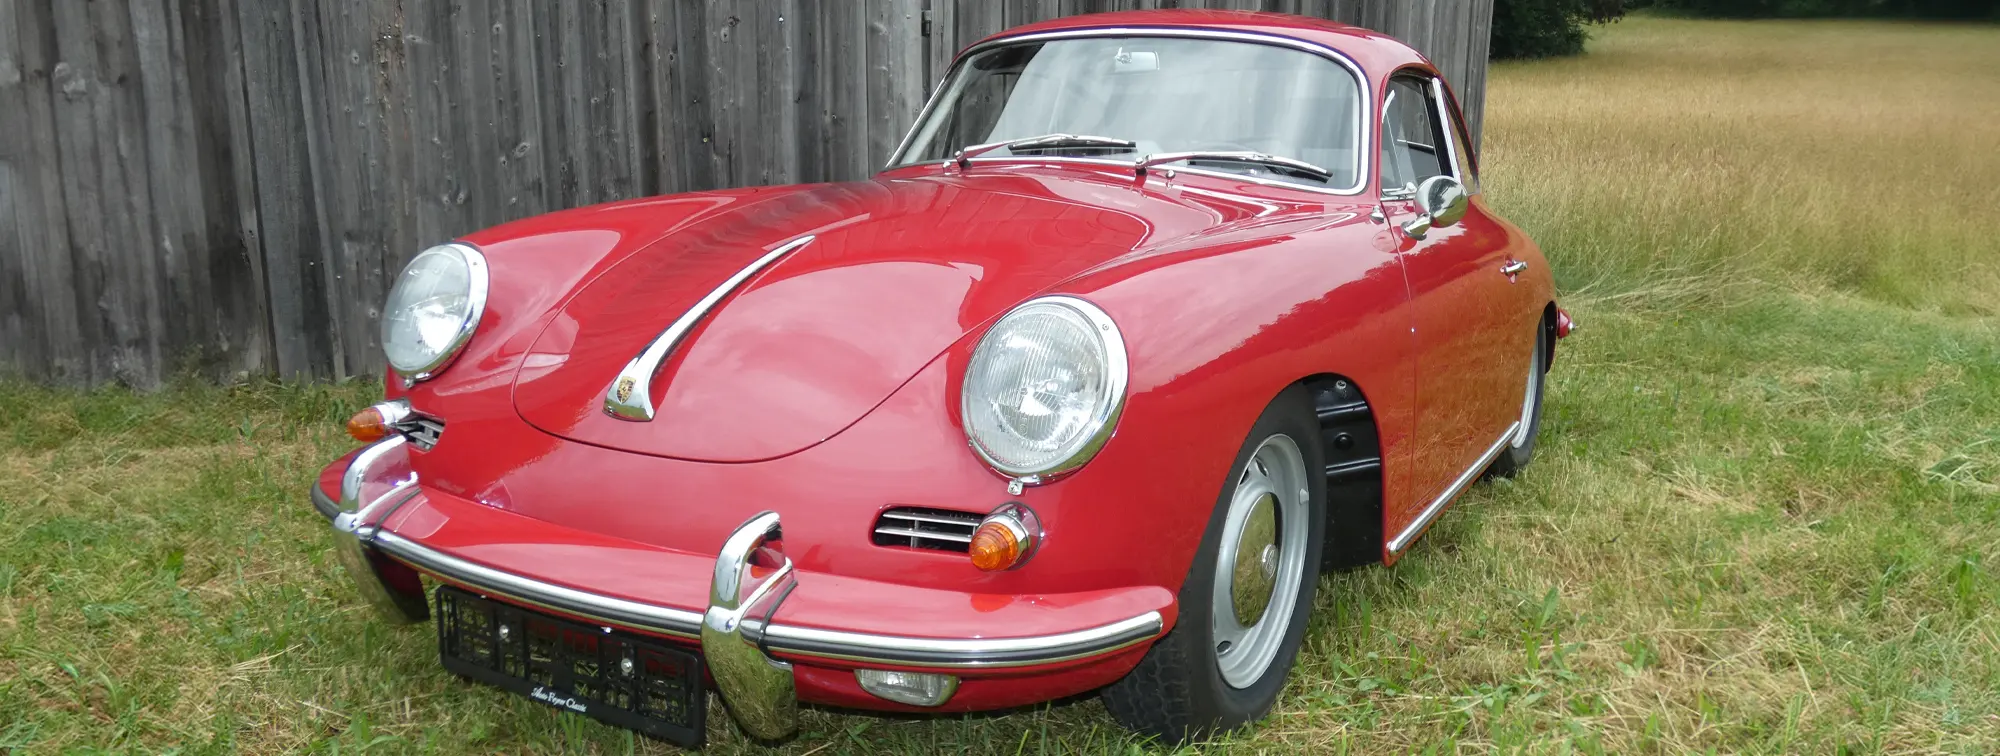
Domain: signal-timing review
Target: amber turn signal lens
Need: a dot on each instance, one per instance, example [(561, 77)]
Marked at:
[(368, 426), (1005, 539), (995, 547)]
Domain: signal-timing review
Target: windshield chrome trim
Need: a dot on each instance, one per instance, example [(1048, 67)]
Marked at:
[(1364, 137)]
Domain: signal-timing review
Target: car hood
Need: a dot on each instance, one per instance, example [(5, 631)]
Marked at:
[(899, 270)]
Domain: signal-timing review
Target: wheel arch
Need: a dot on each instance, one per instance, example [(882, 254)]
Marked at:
[(1353, 456), (1549, 324)]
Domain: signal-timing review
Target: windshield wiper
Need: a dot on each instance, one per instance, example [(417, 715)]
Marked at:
[(1289, 164), (1045, 141)]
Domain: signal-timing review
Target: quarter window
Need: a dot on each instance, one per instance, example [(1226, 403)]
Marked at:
[(1413, 140), (1461, 152)]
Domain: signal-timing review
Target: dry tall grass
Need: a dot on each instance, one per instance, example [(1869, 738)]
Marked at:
[(1678, 155)]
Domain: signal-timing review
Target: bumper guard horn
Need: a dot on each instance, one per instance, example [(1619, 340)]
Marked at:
[(752, 575)]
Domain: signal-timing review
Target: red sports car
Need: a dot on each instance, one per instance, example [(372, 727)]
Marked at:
[(1152, 318)]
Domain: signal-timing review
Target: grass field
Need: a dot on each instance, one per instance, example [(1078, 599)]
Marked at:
[(1765, 516)]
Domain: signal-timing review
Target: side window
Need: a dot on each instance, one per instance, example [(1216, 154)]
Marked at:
[(1413, 142), (1461, 153)]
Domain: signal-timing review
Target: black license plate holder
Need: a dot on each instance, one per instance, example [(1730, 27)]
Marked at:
[(575, 667)]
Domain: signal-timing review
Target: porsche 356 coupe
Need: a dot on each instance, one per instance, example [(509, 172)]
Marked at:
[(1151, 318)]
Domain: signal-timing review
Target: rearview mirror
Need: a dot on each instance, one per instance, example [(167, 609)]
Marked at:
[(1442, 200)]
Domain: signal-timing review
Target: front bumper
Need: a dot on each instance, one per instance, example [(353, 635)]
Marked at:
[(751, 654)]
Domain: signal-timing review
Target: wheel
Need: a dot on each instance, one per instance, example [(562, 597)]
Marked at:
[(1521, 448), (1244, 606)]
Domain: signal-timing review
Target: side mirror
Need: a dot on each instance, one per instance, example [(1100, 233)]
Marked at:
[(1443, 202)]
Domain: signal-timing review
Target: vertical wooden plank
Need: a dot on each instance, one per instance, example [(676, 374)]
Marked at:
[(808, 125), (845, 81), (678, 37), (98, 199), (940, 43), (18, 344), (974, 20), (439, 189), (723, 68), (348, 139), (287, 222), (136, 314), (777, 91), (53, 346), (336, 304), (605, 133), (1471, 85), (517, 112), (233, 324), (172, 180), (895, 67)]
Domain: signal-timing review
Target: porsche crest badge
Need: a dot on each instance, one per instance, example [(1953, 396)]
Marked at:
[(625, 388)]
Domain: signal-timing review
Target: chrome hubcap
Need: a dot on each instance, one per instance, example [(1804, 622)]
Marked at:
[(1259, 571), (1256, 561)]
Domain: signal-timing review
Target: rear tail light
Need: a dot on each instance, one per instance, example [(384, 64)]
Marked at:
[(1005, 539)]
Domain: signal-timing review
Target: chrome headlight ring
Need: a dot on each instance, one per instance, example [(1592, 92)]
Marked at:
[(433, 310), (1044, 388)]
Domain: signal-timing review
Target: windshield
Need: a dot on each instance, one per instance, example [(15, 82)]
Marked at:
[(1162, 95)]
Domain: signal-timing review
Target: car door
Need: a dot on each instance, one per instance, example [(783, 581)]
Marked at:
[(1465, 305)]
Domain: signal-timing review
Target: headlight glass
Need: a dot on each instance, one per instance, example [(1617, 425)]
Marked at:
[(433, 309), (1044, 387)]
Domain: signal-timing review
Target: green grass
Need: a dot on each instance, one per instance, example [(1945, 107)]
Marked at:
[(1765, 516)]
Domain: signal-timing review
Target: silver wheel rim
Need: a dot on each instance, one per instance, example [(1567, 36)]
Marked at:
[(1528, 398), (1263, 559)]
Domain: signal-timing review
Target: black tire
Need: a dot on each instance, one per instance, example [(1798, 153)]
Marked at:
[(1177, 693), (1521, 451)]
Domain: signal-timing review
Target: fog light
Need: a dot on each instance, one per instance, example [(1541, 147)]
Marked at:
[(913, 688), (1005, 539), (377, 422)]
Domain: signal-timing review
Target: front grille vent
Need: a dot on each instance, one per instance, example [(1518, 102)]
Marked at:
[(936, 529), (422, 431)]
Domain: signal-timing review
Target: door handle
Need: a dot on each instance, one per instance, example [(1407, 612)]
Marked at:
[(1513, 268)]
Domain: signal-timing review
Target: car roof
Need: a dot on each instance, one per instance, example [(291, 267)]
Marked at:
[(1377, 54)]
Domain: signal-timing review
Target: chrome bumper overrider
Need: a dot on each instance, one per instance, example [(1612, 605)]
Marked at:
[(736, 632)]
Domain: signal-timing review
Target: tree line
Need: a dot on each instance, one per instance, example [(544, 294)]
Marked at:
[(1549, 28)]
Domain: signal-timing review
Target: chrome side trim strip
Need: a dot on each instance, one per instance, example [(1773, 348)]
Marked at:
[(1452, 491), (1364, 113), (630, 396), (801, 641)]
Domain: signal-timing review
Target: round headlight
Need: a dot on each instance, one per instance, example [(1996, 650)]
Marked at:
[(1045, 387), (433, 309)]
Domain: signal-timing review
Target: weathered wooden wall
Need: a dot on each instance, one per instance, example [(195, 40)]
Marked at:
[(229, 186)]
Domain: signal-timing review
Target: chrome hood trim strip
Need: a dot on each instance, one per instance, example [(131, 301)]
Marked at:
[(630, 396)]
